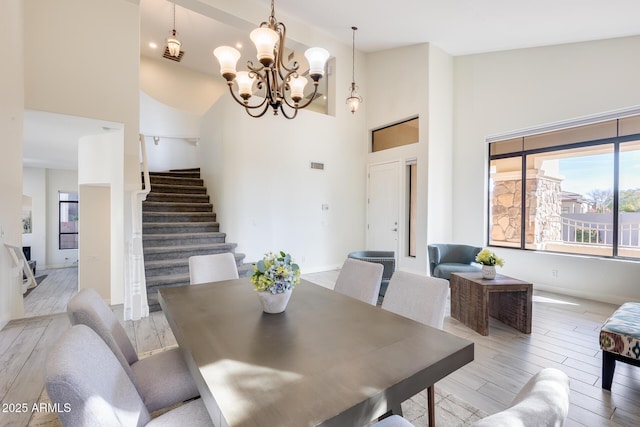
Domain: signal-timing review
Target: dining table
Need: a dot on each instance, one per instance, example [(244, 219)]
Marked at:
[(327, 360)]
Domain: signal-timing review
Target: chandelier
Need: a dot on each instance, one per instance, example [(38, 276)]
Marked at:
[(281, 85), (173, 44), (354, 100)]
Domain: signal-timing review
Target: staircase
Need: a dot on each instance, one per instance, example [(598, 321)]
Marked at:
[(178, 222)]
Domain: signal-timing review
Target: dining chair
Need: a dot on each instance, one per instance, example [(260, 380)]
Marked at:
[(212, 268), (360, 280), (543, 401), (420, 298), (393, 421), (85, 380), (162, 379)]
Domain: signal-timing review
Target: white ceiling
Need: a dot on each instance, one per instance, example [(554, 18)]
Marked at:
[(459, 27)]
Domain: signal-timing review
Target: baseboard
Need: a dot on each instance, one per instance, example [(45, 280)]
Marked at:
[(611, 299)]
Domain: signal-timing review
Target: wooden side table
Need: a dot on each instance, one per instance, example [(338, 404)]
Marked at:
[(474, 299)]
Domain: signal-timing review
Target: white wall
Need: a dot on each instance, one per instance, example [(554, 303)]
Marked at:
[(34, 184), (58, 180), (266, 195), (94, 270), (504, 91), (177, 130), (94, 80), (193, 92), (100, 174), (425, 89), (11, 113)]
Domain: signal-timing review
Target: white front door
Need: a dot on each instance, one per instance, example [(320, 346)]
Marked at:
[(383, 206)]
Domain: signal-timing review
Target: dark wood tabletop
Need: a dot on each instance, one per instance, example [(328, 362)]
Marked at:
[(328, 360)]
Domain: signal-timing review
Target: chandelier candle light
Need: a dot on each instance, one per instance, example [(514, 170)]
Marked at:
[(280, 84), (354, 100)]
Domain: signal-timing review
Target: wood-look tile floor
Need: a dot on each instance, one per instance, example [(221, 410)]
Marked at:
[(564, 336)]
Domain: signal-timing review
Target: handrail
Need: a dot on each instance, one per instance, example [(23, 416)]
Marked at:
[(136, 305), (20, 262)]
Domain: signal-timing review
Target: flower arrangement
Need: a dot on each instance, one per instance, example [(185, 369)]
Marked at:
[(275, 273), (487, 257)]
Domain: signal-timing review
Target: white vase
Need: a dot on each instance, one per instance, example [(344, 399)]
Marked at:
[(274, 303), (488, 271)]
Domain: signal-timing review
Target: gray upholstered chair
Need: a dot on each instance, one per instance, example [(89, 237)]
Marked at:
[(386, 258), (445, 259), (212, 268), (87, 382), (161, 379), (543, 401), (423, 299), (360, 280)]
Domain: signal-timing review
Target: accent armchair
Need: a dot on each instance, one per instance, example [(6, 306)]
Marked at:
[(445, 259), (386, 258)]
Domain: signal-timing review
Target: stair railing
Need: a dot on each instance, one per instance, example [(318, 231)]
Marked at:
[(20, 262), (136, 305)]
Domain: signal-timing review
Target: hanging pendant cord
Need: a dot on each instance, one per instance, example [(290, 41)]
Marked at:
[(174, 19), (353, 55)]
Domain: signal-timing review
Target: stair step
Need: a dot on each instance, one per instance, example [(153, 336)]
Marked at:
[(175, 180), (182, 239), (180, 227), (157, 196), (186, 173), (168, 280), (184, 189), (153, 217), (174, 266), (173, 252), (176, 207)]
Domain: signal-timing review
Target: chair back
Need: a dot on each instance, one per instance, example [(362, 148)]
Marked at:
[(360, 280), (88, 384), (543, 401), (420, 298), (212, 268), (88, 308)]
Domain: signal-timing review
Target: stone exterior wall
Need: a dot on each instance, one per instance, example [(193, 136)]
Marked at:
[(543, 210), (505, 211)]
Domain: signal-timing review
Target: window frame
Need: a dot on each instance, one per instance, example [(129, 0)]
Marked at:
[(615, 142), (65, 233)]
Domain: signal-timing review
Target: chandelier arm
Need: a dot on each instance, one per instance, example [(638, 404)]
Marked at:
[(283, 36), (305, 105), (284, 112), (262, 113), (241, 101)]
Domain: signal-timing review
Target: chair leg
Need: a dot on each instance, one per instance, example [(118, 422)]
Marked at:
[(431, 405), (608, 367)]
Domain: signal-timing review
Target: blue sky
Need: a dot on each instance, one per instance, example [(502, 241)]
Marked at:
[(583, 174)]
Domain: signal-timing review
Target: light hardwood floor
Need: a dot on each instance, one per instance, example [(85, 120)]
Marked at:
[(564, 336)]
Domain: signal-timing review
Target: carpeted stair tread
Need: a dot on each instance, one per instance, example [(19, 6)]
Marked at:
[(180, 227), (170, 188), (175, 180), (153, 217), (173, 252), (168, 280), (182, 239), (157, 196), (176, 207)]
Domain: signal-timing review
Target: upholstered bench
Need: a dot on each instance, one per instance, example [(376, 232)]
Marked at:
[(620, 340)]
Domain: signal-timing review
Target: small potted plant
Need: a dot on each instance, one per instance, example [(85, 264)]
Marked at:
[(489, 260), (273, 278)]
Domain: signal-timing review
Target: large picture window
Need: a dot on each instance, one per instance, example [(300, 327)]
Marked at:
[(68, 224), (574, 191)]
